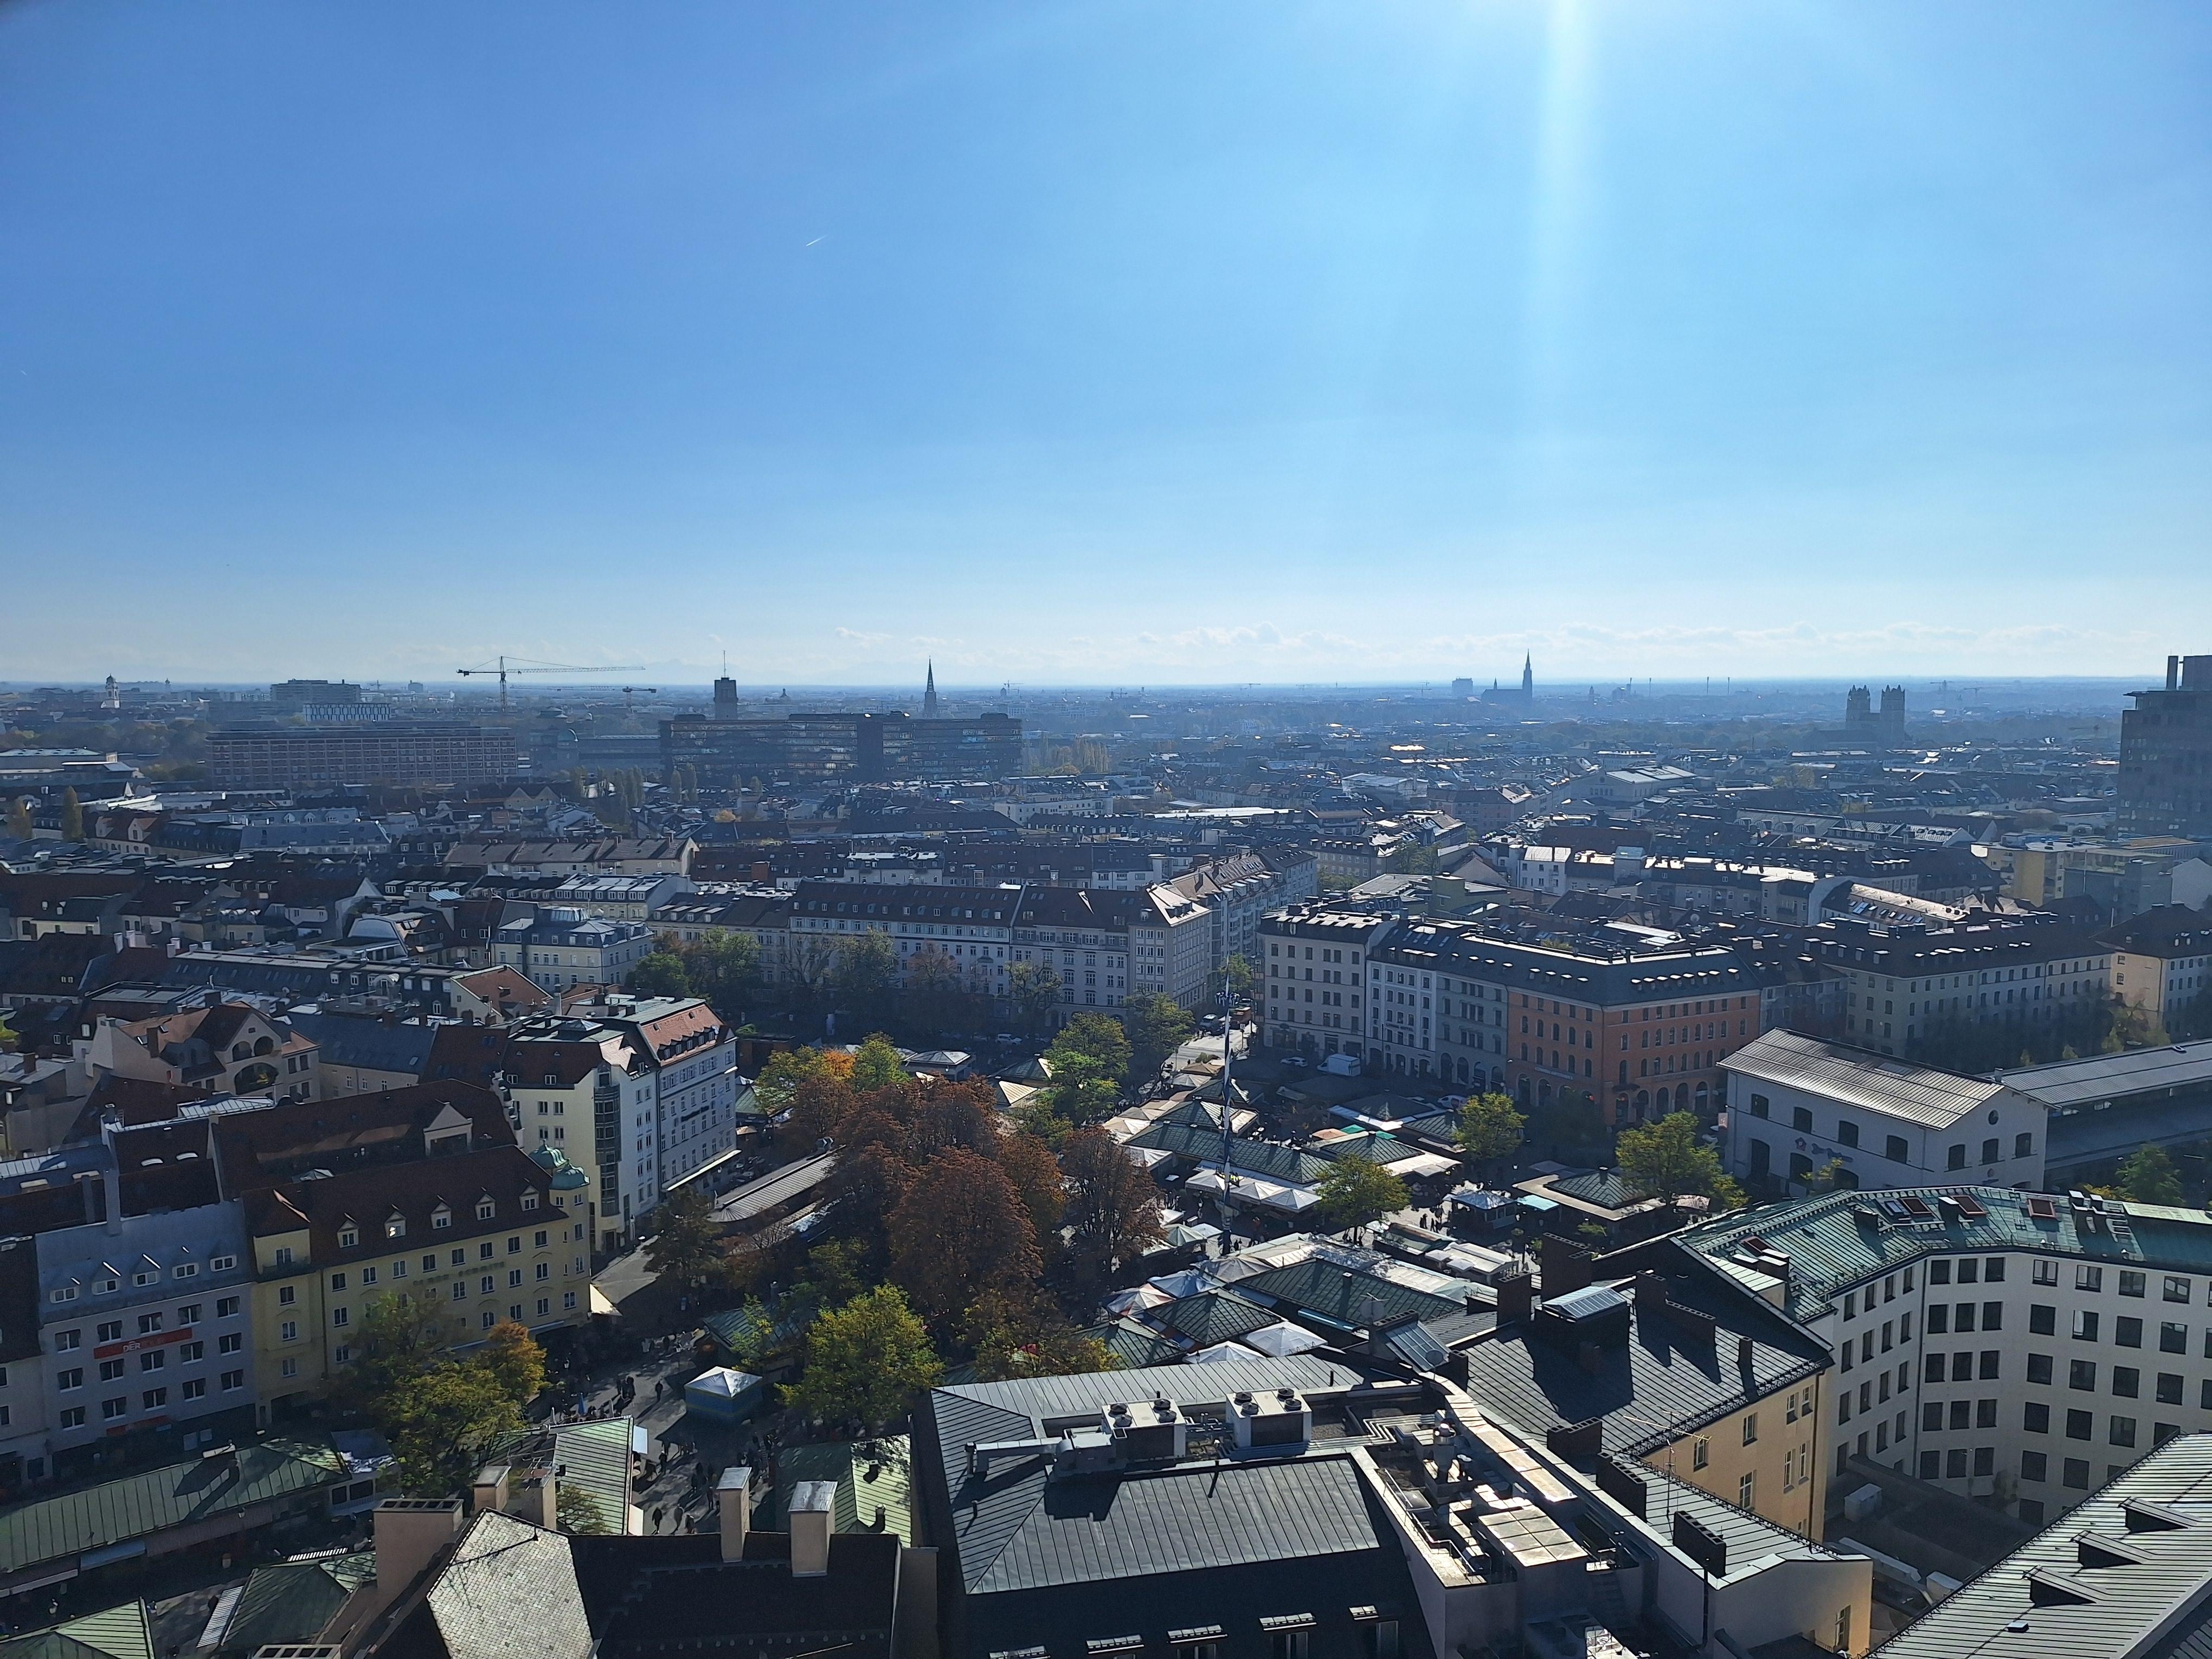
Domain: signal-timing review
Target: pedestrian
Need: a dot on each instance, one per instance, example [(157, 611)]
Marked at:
[(659, 1386), (658, 1511)]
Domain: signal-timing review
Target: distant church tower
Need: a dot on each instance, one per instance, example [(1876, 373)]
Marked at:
[(1529, 678), (929, 693)]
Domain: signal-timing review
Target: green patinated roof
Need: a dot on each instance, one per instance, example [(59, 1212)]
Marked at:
[(294, 1600), (1830, 1249), (118, 1633), (594, 1459), (1325, 1288), (1209, 1316), (1258, 1157), (1131, 1343), (869, 1474), (750, 1334), (138, 1506)]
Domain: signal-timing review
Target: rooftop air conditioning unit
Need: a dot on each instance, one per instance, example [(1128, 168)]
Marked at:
[(1263, 1421), (1150, 1431)]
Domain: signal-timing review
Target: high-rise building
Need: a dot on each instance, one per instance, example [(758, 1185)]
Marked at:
[(390, 752), (2166, 755)]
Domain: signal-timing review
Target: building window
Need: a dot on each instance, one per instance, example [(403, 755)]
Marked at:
[(1746, 1491)]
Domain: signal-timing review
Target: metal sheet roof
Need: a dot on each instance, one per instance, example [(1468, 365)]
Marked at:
[(1858, 1076), (2069, 1082), (2057, 1597), (140, 1505)]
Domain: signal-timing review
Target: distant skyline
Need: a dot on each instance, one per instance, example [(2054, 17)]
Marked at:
[(1096, 344)]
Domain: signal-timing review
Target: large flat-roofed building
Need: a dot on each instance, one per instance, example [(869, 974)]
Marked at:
[(2166, 755), (1799, 1105), (387, 751), (860, 748)]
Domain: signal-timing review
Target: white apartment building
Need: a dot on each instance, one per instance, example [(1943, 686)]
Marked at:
[(559, 947), (2010, 1346), (1314, 967), (1800, 1104), (1904, 981)]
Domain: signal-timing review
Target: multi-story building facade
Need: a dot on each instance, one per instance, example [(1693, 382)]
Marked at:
[(142, 1326), (2166, 755), (218, 1046), (2162, 961), (422, 1190), (1312, 994), (560, 947), (2015, 1348), (410, 752), (1801, 1105), (690, 1056), (1904, 983), (1240, 890), (587, 1091), (855, 747), (971, 929)]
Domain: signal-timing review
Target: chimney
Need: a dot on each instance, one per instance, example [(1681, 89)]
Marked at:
[(811, 1504), (734, 1502), (1515, 1293), (1588, 1356), (488, 1491), (1563, 1266), (1743, 1347), (549, 1499), (2173, 673), (110, 1176), (410, 1532)]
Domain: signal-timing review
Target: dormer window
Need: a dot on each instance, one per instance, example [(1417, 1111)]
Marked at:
[(530, 1199), (108, 1286), (187, 1270), (486, 1209), (395, 1225), (441, 1216), (349, 1235)]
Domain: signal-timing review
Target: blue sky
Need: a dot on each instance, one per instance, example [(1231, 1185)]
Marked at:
[(1097, 343)]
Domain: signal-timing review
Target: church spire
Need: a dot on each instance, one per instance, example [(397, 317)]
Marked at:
[(1529, 678), (929, 693)]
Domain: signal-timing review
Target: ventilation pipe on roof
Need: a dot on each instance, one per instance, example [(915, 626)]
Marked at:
[(734, 1502)]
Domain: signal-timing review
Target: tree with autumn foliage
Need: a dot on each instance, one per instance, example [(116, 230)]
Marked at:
[(1024, 1335), (1041, 1184), (1113, 1207), (960, 1230)]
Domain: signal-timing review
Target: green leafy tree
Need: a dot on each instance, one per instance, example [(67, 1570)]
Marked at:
[(1033, 988), (578, 1511), (724, 970), (72, 815), (1240, 976), (686, 1247), (2133, 1028), (9, 1035), (2148, 1176), (777, 1086), (20, 821), (401, 1335), (1099, 1036), (1156, 1025), (1412, 860), (511, 1355), (1357, 1191), (876, 1065), (442, 1422), (1490, 1129), (1668, 1160), (1570, 1120), (834, 1274), (866, 978), (1082, 1091), (1027, 1336), (866, 1361), (661, 975)]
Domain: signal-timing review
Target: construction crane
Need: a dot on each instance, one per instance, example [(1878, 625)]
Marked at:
[(503, 666)]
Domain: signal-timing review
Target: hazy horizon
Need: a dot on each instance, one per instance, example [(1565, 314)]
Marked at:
[(1094, 345)]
